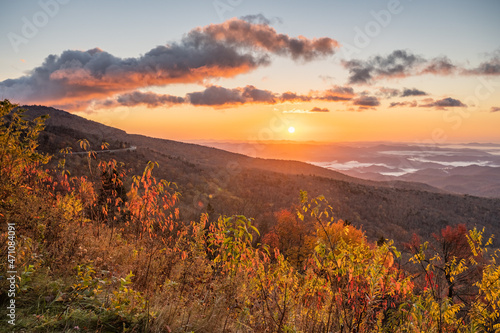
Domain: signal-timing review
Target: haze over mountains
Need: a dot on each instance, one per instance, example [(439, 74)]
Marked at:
[(221, 182), (472, 168)]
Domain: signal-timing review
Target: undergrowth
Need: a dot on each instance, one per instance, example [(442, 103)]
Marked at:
[(109, 253)]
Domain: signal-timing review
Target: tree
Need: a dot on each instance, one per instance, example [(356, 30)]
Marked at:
[(445, 252), (112, 192), (289, 236), (448, 270), (19, 158), (350, 282)]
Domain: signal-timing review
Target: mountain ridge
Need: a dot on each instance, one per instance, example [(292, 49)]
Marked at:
[(260, 163), (231, 183)]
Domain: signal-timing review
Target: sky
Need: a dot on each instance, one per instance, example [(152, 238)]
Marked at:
[(224, 70)]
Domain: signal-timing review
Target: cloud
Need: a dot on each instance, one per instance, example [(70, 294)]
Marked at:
[(388, 92), (495, 109), (359, 71), (313, 110), (136, 98), (256, 19), (336, 94), (401, 63), (220, 96), (443, 103), (258, 95), (412, 92), (326, 78), (369, 101), (294, 97), (316, 109), (403, 104), (438, 66), (260, 19), (488, 67), (217, 96), (241, 33), (77, 75), (397, 64), (216, 51)]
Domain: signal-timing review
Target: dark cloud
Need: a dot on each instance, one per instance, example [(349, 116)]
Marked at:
[(254, 95), (489, 67), (217, 96), (390, 93), (449, 102), (75, 75), (412, 92), (495, 109), (220, 96), (336, 94), (403, 104), (136, 98), (397, 64), (439, 66), (402, 63), (359, 71), (316, 109), (444, 103), (215, 51), (293, 97), (369, 101)]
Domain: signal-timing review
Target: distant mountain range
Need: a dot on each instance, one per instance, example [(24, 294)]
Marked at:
[(222, 182), (472, 168)]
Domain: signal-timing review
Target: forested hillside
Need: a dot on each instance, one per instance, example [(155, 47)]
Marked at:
[(216, 181), (99, 242)]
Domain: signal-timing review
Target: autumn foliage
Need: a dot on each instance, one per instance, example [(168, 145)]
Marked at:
[(108, 252)]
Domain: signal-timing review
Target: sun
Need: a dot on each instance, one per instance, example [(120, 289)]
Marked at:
[(291, 129)]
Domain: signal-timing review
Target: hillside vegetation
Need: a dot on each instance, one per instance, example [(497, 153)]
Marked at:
[(222, 183), (110, 249)]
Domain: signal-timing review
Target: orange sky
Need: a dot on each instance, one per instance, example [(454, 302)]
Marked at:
[(258, 123), (370, 71)]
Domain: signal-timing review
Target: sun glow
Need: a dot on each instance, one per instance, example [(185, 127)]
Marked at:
[(291, 129)]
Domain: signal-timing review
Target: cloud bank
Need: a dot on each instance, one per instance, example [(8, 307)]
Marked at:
[(217, 96), (95, 79), (216, 51)]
